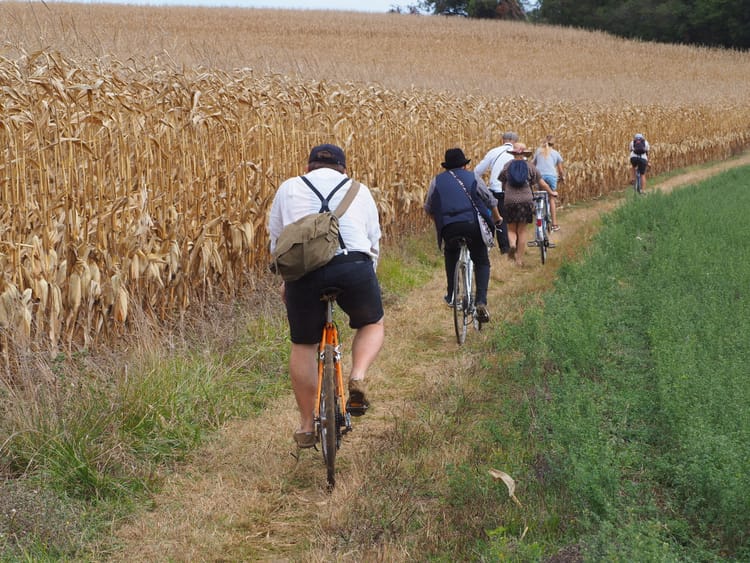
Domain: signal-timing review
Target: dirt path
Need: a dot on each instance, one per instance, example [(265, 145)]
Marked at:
[(245, 497)]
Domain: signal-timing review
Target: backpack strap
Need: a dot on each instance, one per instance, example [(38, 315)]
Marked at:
[(342, 207), (492, 166), (463, 187), (348, 198), (324, 200)]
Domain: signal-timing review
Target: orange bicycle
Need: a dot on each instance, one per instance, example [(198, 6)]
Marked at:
[(332, 418)]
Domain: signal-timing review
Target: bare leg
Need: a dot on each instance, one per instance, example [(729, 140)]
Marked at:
[(553, 210), (365, 348), (303, 370), (522, 238), (513, 234)]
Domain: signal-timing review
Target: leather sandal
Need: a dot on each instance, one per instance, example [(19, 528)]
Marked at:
[(305, 439)]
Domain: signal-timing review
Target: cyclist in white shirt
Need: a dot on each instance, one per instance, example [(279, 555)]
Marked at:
[(351, 270)]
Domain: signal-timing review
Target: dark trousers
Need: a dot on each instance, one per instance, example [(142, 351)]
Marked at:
[(502, 231), (478, 252)]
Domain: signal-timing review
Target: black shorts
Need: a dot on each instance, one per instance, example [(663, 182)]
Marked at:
[(639, 162), (354, 274)]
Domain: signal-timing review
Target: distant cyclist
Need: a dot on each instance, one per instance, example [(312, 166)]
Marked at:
[(639, 148), (549, 162)]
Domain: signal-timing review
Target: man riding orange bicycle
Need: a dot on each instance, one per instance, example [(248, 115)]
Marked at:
[(351, 271)]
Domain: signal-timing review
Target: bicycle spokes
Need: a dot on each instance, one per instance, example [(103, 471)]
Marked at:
[(464, 309), (542, 226), (331, 420)]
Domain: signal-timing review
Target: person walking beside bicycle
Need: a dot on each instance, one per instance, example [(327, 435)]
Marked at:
[(493, 162), (518, 181), (352, 270), (453, 199), (639, 149), (549, 162)]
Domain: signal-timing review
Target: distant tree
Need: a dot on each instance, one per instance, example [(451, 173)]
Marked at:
[(445, 7), (510, 10), (413, 9), (719, 23), (489, 9)]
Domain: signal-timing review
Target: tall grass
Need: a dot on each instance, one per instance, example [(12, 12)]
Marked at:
[(90, 448), (643, 359)]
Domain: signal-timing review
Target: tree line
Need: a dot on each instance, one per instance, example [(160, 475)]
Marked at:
[(714, 23)]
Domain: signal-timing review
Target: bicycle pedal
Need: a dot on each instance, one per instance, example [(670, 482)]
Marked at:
[(551, 245), (532, 243), (357, 410)]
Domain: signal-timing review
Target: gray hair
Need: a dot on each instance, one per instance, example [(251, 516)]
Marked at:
[(510, 136)]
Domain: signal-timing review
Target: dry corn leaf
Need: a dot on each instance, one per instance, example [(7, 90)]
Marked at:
[(509, 483)]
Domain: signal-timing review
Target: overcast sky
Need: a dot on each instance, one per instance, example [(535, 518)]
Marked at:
[(364, 6)]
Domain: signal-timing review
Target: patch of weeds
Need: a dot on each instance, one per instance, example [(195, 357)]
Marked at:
[(474, 502), (389, 506), (402, 269), (255, 367), (36, 523), (504, 545)]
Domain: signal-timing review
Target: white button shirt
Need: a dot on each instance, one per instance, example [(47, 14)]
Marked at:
[(360, 225), (494, 161)]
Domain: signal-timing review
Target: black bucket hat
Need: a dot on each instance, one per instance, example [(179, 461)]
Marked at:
[(455, 158)]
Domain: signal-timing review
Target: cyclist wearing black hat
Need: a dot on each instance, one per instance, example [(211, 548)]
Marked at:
[(451, 200)]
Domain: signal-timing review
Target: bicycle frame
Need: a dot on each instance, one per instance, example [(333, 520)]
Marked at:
[(542, 226), (464, 308), (330, 338), (331, 419), (638, 180)]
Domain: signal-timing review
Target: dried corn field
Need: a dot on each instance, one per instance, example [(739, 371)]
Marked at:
[(142, 181)]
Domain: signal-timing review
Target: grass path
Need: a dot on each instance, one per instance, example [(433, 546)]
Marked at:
[(244, 496)]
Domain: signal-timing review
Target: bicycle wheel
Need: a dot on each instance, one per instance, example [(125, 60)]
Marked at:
[(546, 230), (543, 248), (460, 301), (328, 429), (470, 313), (637, 185)]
